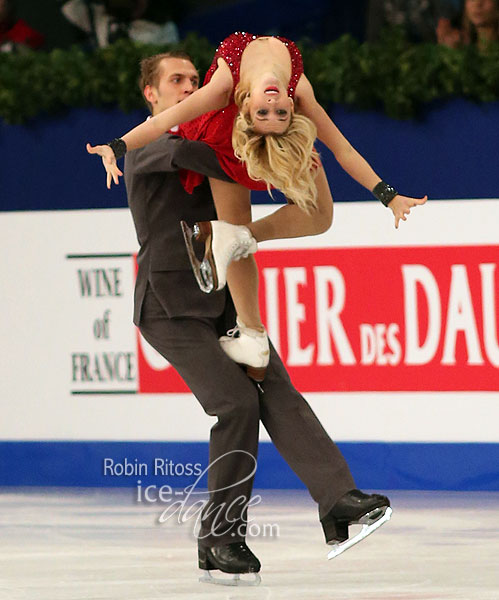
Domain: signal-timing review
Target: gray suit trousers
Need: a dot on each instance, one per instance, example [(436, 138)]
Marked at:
[(223, 389)]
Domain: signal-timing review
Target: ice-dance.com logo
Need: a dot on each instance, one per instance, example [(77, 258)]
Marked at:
[(219, 512)]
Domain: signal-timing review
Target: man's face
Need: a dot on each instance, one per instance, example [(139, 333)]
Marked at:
[(178, 79)]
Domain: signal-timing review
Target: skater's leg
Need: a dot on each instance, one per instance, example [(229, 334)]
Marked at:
[(251, 347), (233, 205), (310, 452), (224, 391), (290, 221), (301, 439)]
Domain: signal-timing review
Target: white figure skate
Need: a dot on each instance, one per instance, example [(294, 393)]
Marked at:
[(249, 348), (223, 243)]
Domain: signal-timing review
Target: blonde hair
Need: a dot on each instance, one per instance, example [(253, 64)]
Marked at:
[(284, 161)]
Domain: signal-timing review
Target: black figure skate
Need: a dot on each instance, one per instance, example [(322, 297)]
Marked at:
[(235, 558), (354, 508)]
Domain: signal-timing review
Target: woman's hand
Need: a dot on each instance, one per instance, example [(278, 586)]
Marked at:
[(401, 207), (109, 162)]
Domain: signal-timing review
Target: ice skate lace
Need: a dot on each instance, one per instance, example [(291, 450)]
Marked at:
[(240, 248), (235, 332)]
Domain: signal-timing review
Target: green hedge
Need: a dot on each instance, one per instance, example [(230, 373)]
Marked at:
[(392, 75)]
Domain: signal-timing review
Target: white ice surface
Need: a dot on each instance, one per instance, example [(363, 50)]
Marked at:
[(71, 544)]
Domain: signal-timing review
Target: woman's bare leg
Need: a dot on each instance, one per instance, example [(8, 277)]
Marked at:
[(290, 221), (233, 205)]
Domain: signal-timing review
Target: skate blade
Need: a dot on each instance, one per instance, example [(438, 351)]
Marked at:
[(202, 270), (369, 525), (234, 580)]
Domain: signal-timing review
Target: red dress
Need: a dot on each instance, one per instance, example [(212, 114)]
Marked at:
[(215, 128)]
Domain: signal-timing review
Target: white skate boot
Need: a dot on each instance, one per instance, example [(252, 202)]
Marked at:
[(248, 347), (223, 243)]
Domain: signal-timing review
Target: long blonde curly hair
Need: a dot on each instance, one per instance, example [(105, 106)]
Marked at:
[(284, 161)]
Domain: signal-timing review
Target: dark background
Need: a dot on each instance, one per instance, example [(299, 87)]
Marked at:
[(450, 152)]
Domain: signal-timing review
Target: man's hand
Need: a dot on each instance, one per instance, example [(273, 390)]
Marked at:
[(401, 207), (109, 162)]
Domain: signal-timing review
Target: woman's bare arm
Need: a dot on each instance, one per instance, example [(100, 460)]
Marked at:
[(212, 96), (349, 159)]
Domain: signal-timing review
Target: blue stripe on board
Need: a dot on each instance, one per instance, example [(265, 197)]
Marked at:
[(438, 154), (411, 466)]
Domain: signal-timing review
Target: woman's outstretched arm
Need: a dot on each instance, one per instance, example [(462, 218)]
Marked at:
[(214, 95), (349, 159)]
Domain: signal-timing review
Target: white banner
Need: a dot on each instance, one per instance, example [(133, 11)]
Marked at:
[(72, 368)]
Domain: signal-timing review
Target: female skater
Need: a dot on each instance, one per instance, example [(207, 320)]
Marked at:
[(257, 110)]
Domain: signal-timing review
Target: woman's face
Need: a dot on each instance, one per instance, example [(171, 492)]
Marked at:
[(270, 107), (482, 12)]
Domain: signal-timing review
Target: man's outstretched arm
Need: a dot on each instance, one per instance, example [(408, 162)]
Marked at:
[(171, 153)]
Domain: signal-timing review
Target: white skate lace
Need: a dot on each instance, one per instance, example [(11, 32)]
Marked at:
[(240, 249), (234, 332)]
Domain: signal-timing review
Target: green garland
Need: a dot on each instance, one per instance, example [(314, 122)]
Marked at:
[(392, 75)]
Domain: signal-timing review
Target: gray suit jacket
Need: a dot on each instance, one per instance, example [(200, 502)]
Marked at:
[(158, 203)]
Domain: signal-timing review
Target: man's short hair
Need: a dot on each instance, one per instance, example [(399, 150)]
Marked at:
[(150, 69)]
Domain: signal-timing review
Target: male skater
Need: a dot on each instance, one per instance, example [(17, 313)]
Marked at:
[(184, 325)]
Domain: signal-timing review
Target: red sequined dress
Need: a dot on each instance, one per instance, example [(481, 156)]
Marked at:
[(215, 128)]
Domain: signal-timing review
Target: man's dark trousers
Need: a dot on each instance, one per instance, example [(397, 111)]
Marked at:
[(224, 391)]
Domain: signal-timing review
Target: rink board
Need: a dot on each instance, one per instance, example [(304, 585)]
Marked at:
[(142, 465), (391, 335)]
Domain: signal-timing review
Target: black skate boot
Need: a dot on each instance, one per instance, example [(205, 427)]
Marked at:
[(355, 507), (235, 558)]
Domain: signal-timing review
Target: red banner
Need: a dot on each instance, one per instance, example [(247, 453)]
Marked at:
[(376, 319)]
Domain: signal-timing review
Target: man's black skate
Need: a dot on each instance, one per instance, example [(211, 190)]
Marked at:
[(235, 558), (355, 507)]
